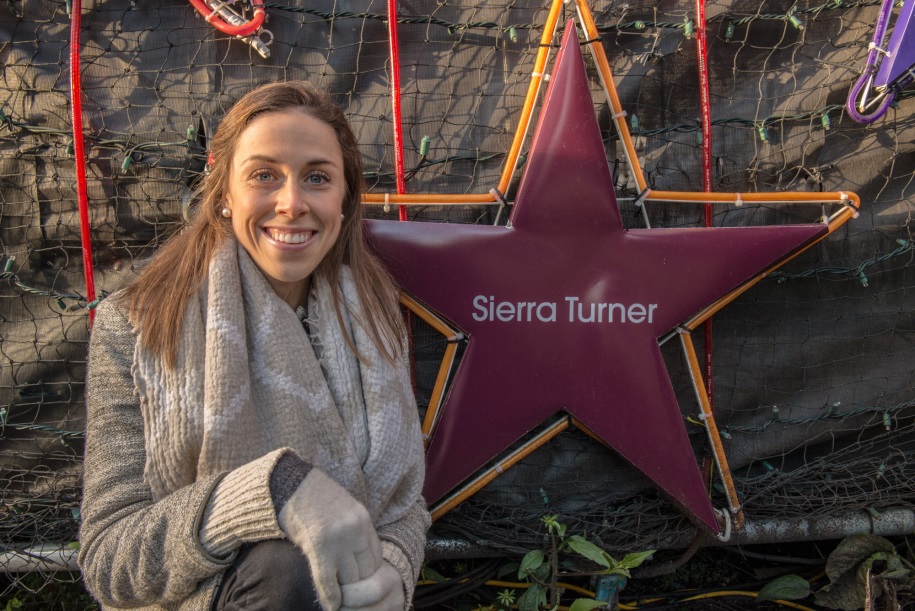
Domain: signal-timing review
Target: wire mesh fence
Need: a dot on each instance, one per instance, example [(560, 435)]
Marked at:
[(813, 367)]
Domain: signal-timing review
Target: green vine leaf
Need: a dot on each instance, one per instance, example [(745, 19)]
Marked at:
[(432, 575), (847, 568), (786, 587), (530, 563), (532, 599), (853, 550), (587, 549), (631, 561), (507, 569), (542, 573), (586, 604)]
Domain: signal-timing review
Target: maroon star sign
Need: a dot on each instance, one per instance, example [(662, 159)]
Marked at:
[(564, 306)]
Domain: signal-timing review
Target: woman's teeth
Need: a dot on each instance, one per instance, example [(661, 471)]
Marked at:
[(289, 238)]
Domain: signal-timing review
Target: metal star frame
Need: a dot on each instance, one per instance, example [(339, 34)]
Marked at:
[(848, 206)]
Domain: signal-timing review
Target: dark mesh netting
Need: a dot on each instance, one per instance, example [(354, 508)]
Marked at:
[(813, 366)]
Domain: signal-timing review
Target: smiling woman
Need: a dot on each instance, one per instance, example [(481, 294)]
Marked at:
[(252, 437)]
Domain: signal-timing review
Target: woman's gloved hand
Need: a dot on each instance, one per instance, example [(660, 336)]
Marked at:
[(383, 591), (335, 532)]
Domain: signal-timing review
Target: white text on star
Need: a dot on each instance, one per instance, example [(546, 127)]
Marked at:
[(487, 309)]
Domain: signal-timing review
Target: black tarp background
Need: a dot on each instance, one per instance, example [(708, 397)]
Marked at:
[(830, 346)]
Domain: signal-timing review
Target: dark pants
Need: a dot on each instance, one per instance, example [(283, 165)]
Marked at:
[(271, 575)]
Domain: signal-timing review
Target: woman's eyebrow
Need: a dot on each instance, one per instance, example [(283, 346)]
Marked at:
[(268, 159), (259, 157)]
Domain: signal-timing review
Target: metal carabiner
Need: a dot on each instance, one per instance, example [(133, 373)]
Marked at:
[(226, 20), (260, 41)]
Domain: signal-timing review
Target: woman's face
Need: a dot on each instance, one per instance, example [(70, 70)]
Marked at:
[(286, 190)]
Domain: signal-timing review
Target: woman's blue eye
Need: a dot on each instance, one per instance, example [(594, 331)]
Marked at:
[(263, 176), (317, 178)]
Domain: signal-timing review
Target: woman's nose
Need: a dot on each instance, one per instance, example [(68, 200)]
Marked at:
[(292, 200)]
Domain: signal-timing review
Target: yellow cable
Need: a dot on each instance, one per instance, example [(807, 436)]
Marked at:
[(517, 584), (633, 606), (785, 603)]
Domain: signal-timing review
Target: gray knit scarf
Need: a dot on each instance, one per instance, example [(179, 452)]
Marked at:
[(247, 381)]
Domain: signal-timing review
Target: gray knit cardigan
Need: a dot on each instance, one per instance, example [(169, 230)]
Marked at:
[(171, 553)]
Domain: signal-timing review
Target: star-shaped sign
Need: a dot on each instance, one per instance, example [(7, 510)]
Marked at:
[(564, 307)]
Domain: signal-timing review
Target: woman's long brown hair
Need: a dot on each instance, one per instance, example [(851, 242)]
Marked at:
[(158, 298)]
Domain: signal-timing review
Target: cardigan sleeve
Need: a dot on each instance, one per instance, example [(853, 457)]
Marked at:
[(135, 550), (403, 544)]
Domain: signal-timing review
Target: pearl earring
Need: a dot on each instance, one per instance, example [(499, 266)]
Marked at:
[(226, 213), (342, 216)]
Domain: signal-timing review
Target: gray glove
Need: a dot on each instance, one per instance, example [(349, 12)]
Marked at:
[(383, 591), (336, 534)]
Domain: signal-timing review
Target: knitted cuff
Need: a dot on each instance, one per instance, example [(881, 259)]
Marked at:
[(289, 472), (395, 555), (240, 509)]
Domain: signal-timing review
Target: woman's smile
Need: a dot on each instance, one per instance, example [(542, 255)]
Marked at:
[(288, 236)]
